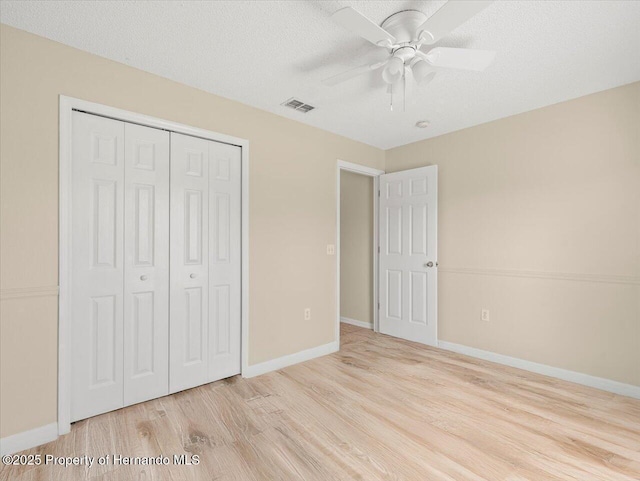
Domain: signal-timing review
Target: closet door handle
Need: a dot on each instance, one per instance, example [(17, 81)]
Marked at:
[(144, 277), (193, 276)]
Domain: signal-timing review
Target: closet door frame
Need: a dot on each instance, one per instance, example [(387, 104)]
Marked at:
[(66, 107)]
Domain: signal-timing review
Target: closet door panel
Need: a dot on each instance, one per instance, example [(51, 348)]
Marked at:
[(224, 261), (97, 265), (146, 271), (189, 260)]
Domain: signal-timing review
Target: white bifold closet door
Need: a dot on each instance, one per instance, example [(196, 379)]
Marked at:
[(97, 265), (146, 263), (205, 261), (224, 260), (120, 272), (156, 263), (189, 259)]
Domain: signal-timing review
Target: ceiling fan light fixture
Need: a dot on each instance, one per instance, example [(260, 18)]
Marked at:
[(391, 78), (422, 72), (393, 71)]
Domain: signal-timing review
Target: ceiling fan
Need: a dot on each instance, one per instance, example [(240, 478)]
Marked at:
[(403, 34)]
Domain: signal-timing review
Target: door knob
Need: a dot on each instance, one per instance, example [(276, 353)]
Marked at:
[(193, 276), (429, 264), (144, 278)]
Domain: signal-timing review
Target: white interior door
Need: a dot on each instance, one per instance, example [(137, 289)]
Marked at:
[(97, 274), (146, 264), (189, 260), (224, 260), (409, 254)]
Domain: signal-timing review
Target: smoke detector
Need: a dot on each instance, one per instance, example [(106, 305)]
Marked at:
[(423, 124)]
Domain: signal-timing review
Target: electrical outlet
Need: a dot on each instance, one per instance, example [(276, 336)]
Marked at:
[(331, 249), (484, 315), (307, 314)]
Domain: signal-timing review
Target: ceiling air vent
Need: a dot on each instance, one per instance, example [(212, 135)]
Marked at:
[(296, 104)]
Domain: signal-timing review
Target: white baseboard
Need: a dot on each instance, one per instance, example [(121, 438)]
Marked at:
[(564, 374), (28, 439), (290, 359), (353, 322)]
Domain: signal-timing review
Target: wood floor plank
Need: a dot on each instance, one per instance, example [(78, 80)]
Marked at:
[(380, 409)]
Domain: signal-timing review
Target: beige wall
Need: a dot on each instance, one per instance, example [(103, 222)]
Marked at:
[(539, 222), (356, 246), (292, 209)]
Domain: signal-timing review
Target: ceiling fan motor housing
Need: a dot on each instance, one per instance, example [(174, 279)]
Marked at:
[(404, 25), (405, 53)]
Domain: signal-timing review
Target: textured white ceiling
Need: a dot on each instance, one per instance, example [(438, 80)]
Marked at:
[(263, 52)]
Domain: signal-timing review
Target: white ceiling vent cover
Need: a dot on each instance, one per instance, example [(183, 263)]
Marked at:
[(298, 105)]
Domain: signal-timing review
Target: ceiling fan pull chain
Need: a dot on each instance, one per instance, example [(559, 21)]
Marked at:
[(404, 90)]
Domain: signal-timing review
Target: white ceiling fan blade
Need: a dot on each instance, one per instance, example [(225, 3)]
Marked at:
[(451, 15), (460, 58), (354, 72), (355, 22)]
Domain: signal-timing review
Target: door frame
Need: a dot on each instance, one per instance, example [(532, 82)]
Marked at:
[(375, 174), (66, 106)]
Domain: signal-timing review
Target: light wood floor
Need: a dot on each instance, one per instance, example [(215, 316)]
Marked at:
[(380, 409)]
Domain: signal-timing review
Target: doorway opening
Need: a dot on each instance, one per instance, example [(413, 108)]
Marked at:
[(357, 246), (356, 249)]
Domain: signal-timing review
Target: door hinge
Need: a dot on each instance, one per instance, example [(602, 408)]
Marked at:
[(378, 192), (378, 249), (378, 306)]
